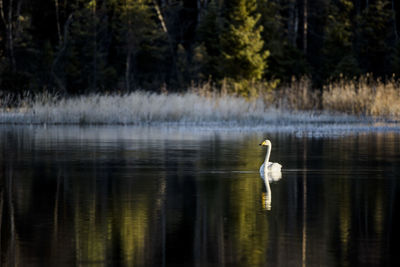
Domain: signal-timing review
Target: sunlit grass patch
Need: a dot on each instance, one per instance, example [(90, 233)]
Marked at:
[(363, 97)]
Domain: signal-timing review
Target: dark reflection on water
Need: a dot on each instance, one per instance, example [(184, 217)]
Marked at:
[(141, 196)]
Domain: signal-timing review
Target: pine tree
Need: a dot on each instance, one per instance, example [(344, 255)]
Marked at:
[(243, 55)]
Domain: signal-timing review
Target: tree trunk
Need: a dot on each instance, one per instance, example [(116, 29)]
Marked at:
[(18, 21), (10, 38), (396, 36), (2, 12), (60, 52), (293, 23), (160, 16), (199, 11), (94, 82), (165, 29), (305, 26), (201, 7), (128, 71), (57, 6), (3, 33)]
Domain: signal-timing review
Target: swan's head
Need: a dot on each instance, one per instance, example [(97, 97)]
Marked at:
[(265, 143)]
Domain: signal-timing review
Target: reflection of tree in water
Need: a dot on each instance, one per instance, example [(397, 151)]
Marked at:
[(10, 249), (88, 215), (117, 221), (153, 204)]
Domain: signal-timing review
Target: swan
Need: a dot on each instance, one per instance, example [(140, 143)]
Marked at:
[(269, 167)]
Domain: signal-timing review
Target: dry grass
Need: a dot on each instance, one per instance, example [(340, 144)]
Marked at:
[(296, 96), (364, 96), (136, 108), (207, 104)]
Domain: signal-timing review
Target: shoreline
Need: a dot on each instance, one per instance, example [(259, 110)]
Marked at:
[(183, 110), (311, 130), (274, 117)]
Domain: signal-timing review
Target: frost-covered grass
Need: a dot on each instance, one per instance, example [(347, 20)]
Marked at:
[(363, 100), (141, 108)]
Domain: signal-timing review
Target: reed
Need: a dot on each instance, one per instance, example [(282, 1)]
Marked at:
[(364, 96)]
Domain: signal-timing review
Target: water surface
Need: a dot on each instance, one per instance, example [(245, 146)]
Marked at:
[(142, 196)]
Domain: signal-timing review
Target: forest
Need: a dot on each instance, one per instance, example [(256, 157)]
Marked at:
[(107, 46)]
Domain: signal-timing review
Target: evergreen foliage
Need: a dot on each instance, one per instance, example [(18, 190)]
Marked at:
[(373, 33), (284, 60), (338, 43), (209, 32), (243, 57), (143, 44), (80, 46)]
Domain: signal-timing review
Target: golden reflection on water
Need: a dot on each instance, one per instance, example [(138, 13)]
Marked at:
[(236, 216), (248, 231), (127, 221), (133, 227), (90, 236)]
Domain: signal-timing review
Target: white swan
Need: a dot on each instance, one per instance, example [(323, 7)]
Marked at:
[(269, 167)]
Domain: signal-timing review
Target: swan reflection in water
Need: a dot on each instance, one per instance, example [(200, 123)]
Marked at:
[(267, 196), (269, 172)]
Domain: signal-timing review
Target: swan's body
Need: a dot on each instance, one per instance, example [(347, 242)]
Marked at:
[(273, 172), (272, 167), (269, 169)]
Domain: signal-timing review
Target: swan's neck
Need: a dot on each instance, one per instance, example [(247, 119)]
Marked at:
[(267, 155), (266, 161)]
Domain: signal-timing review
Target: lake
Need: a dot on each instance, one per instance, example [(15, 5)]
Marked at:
[(143, 196)]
